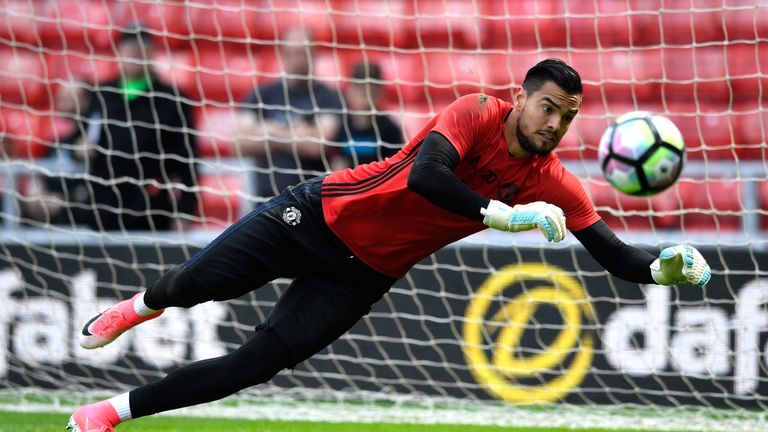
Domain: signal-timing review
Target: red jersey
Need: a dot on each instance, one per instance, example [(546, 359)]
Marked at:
[(391, 228)]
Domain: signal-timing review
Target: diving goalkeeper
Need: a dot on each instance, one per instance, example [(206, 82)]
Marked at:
[(346, 238)]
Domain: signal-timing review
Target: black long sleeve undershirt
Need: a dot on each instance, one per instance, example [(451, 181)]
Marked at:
[(618, 258), (432, 177)]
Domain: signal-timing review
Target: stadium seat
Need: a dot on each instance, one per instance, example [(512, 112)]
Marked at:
[(695, 74), (220, 204), (89, 67), (23, 78), (584, 136), (452, 24), (216, 130), (79, 23), (618, 74), (360, 23), (681, 23), (710, 205), (314, 16), (622, 211), (751, 132), (589, 24), (516, 25), (706, 129), (227, 19), (747, 70), (393, 72), (26, 135), (218, 75), (443, 76), (413, 119), (571, 147), (20, 21), (745, 20), (168, 22)]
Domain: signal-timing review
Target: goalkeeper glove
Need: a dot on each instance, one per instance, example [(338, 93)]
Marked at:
[(678, 264), (548, 218)]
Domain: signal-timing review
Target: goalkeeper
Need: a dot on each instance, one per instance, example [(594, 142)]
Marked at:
[(346, 238)]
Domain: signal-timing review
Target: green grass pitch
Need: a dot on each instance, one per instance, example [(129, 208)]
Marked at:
[(38, 422)]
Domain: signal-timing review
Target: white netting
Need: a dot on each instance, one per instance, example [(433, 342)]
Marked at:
[(161, 182)]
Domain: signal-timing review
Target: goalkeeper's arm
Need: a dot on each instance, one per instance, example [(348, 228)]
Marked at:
[(675, 265), (432, 177)]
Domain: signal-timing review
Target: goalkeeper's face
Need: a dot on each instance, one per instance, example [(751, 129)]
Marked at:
[(544, 117)]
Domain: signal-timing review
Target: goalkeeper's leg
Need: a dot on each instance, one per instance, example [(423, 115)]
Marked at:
[(243, 258), (312, 313)]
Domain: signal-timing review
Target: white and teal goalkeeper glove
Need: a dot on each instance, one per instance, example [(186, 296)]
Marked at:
[(548, 218), (680, 264)]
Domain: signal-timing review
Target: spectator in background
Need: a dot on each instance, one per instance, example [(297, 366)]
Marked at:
[(285, 125), (138, 151), (365, 135), (47, 192)]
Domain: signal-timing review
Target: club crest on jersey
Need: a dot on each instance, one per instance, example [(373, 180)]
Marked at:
[(292, 216)]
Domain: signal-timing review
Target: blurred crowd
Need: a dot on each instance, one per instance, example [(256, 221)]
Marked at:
[(127, 157)]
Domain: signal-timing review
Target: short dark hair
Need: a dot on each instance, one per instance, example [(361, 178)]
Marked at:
[(555, 70), (366, 71), (136, 33)]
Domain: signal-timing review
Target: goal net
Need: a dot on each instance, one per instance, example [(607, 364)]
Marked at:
[(109, 178)]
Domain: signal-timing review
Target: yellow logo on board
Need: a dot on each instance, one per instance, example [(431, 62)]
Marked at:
[(493, 334)]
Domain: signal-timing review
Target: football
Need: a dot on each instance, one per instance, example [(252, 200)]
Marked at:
[(641, 153)]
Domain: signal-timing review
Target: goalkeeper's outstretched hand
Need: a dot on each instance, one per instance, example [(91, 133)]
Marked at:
[(679, 264), (548, 218)]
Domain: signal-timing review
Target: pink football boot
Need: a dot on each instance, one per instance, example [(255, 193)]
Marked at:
[(96, 417), (108, 325)]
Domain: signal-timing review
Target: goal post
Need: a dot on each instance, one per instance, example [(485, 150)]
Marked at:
[(495, 329)]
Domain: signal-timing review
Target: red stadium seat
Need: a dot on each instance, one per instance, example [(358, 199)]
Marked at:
[(96, 67), (220, 202), (29, 136), (751, 132), (314, 16), (621, 211), (231, 75), (372, 23), (78, 23), (176, 68), (747, 70), (707, 130), (228, 19), (168, 22), (23, 77), (571, 147), (216, 131), (710, 205), (443, 76), (210, 23), (218, 75), (678, 23), (621, 75), (745, 20), (413, 119), (20, 21), (586, 130), (445, 23), (695, 74), (516, 25), (589, 24)]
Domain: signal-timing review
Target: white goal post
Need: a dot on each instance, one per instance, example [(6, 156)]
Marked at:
[(499, 328)]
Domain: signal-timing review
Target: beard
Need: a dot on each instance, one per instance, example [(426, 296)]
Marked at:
[(527, 143)]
